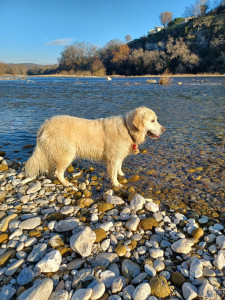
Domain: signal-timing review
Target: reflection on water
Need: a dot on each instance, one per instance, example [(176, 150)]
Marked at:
[(193, 114)]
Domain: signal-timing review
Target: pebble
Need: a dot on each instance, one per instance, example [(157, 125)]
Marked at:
[(41, 290), (83, 294), (50, 262), (30, 223), (98, 290), (182, 246), (25, 276), (60, 295), (37, 253), (142, 292), (7, 293), (132, 223), (137, 202), (66, 225), (196, 268), (82, 241), (189, 291), (151, 206), (34, 187)]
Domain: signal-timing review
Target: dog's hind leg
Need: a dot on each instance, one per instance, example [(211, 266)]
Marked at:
[(119, 171), (60, 169)]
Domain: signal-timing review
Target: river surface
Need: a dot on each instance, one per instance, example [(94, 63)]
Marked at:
[(184, 169)]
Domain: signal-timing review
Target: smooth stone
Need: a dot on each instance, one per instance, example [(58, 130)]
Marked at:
[(121, 250), (118, 284), (196, 268), (151, 206), (142, 292), (7, 293), (82, 241), (41, 290), (25, 277), (156, 253), (100, 234), (177, 279), (137, 202), (128, 268), (5, 222), (37, 253), (132, 223), (105, 259), (114, 200), (149, 270), (159, 286), (30, 223), (189, 291), (206, 291), (148, 223), (75, 264), (83, 294), (50, 262), (59, 295), (98, 291), (107, 277), (197, 233), (34, 187), (139, 278), (219, 261), (67, 225), (114, 297), (6, 256), (220, 241), (128, 292), (182, 246), (14, 267)]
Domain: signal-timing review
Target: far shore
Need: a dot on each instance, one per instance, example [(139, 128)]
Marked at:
[(8, 77)]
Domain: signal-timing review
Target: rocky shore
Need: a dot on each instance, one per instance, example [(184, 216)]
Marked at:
[(59, 243)]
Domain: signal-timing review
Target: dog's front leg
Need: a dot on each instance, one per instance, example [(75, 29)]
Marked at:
[(112, 169), (119, 171)]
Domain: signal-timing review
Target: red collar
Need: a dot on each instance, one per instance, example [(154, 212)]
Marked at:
[(134, 146)]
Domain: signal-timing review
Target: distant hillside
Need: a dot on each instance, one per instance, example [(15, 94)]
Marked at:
[(204, 37)]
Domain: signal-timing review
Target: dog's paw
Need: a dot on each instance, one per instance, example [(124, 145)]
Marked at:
[(121, 173), (118, 185), (67, 183)]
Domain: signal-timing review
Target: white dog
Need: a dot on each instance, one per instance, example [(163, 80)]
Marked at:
[(63, 138)]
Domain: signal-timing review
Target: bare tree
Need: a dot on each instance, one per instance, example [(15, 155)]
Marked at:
[(200, 8), (165, 18)]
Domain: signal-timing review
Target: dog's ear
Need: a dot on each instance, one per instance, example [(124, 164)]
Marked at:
[(135, 120)]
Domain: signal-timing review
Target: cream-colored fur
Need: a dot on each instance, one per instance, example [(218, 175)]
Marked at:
[(62, 139)]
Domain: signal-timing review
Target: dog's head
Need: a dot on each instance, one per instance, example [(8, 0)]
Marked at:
[(143, 121)]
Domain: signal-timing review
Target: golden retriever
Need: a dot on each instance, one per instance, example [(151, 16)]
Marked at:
[(63, 138)]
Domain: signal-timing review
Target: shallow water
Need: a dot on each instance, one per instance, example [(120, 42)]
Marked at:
[(186, 164)]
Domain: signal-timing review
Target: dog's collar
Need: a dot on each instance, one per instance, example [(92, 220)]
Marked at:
[(128, 130)]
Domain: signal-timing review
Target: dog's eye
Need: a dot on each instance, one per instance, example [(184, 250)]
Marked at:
[(153, 121)]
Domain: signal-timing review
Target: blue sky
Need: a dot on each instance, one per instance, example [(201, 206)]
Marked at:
[(36, 31)]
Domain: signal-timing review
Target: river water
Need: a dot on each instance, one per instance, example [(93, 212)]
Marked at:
[(184, 169)]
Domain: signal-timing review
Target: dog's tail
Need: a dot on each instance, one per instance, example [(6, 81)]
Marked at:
[(37, 164)]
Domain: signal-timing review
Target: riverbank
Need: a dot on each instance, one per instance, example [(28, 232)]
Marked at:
[(61, 243), (11, 77)]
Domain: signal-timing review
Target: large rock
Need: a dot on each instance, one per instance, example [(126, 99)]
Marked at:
[(82, 241), (5, 222), (50, 262), (189, 291), (41, 290), (34, 187), (25, 277), (60, 295), (137, 202), (196, 268)]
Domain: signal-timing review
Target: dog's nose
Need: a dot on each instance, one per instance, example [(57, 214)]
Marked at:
[(164, 129)]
